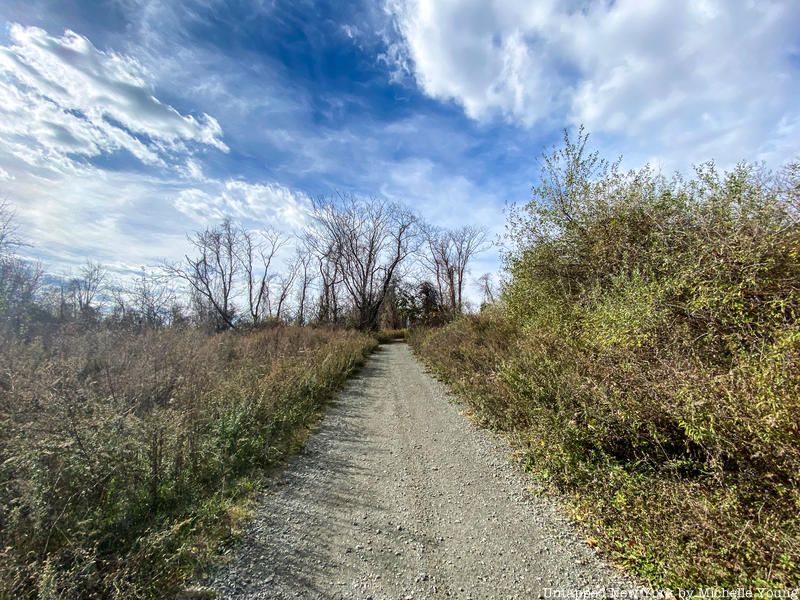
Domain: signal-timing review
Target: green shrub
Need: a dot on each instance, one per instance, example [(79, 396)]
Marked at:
[(646, 360)]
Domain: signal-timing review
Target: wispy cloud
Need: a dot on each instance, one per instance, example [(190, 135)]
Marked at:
[(268, 204), (62, 98), (67, 108)]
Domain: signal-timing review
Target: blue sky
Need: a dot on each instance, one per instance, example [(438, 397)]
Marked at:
[(125, 124)]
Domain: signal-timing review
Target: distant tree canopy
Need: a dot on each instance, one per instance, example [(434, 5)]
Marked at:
[(360, 262)]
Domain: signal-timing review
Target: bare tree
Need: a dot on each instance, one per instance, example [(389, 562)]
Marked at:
[(88, 284), (211, 274), (20, 280), (447, 256), (330, 274), (366, 240), (60, 299), (285, 283), (8, 230), (306, 278), (467, 241), (145, 302), (256, 257), (487, 287), (437, 258)]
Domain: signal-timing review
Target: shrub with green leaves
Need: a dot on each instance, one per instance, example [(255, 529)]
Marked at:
[(646, 360)]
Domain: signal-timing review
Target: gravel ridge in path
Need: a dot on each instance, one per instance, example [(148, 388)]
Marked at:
[(397, 495)]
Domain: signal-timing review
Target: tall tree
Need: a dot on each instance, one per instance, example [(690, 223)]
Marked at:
[(20, 279), (467, 241), (487, 287), (256, 256), (86, 287), (446, 257), (8, 230), (366, 239), (306, 278), (285, 282), (211, 273), (147, 301)]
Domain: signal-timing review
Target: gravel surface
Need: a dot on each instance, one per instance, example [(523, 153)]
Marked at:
[(397, 495)]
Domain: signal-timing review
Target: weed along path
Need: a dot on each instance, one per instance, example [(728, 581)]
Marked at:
[(397, 495)]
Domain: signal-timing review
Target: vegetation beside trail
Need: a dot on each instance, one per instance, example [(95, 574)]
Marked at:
[(645, 362), (138, 412), (126, 457)]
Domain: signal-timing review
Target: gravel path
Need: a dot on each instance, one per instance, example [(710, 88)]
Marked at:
[(397, 495)]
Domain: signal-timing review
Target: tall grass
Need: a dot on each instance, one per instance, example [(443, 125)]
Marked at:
[(123, 455), (646, 361)]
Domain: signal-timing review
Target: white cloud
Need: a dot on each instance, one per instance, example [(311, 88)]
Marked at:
[(484, 55), (259, 205), (62, 97), (116, 218), (126, 220), (62, 100), (441, 197), (688, 79)]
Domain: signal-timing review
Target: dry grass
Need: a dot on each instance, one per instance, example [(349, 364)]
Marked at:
[(386, 336), (126, 455)]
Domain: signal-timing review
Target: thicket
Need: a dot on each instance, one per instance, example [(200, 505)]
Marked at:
[(125, 455), (645, 360)]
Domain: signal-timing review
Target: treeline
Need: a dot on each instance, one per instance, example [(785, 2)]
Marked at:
[(136, 418), (362, 263), (645, 359)]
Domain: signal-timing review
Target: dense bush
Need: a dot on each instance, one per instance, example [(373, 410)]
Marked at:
[(646, 360), (123, 455)]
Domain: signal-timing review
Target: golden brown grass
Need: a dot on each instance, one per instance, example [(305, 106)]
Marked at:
[(126, 456)]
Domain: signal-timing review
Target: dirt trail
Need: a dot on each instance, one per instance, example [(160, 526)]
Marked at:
[(398, 496)]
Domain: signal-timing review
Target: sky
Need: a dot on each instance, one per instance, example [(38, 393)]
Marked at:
[(126, 124)]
